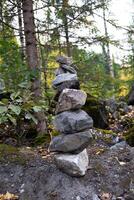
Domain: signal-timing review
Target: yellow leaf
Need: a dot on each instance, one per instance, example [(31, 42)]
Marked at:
[(8, 196)]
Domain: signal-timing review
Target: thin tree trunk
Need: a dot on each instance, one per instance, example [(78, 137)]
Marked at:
[(65, 22), (1, 16), (19, 9), (106, 48), (33, 59)]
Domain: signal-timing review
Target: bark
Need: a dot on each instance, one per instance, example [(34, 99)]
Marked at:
[(33, 59), (65, 22), (106, 48), (1, 16), (19, 9)]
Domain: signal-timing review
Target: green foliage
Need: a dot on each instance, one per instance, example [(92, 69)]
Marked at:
[(20, 105), (12, 68), (92, 73)]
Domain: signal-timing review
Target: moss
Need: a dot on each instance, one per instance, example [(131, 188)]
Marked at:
[(7, 149), (95, 108), (129, 136), (11, 154), (42, 139), (104, 131), (54, 132)]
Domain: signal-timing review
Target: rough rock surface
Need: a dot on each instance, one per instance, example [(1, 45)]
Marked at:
[(68, 84), (69, 122), (69, 69), (75, 143), (59, 71), (64, 60), (71, 99), (73, 165), (64, 77)]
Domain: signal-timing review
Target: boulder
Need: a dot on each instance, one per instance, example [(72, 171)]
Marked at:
[(61, 78), (64, 60), (73, 165), (69, 122), (96, 109), (71, 99), (73, 143), (131, 96)]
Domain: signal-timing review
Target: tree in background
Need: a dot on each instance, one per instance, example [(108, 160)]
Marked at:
[(33, 59), (105, 44)]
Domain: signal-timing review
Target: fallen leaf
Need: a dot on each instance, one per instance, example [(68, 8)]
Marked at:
[(106, 196), (8, 196)]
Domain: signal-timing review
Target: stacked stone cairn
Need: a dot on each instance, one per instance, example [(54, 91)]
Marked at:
[(73, 124)]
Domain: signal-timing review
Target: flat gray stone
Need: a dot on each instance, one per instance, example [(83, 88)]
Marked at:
[(61, 78), (68, 84), (71, 143), (69, 122), (64, 60), (73, 165), (68, 69), (71, 99)]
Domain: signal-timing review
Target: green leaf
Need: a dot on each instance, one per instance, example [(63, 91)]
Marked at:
[(5, 101), (20, 100), (2, 84), (23, 84), (15, 109), (37, 108), (3, 109), (12, 119), (30, 116), (14, 95), (1, 103)]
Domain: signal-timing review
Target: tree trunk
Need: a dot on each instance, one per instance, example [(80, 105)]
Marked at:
[(106, 48), (33, 59), (1, 16), (19, 9), (65, 22)]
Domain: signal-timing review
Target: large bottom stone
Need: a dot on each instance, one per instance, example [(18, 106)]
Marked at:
[(71, 143), (73, 165)]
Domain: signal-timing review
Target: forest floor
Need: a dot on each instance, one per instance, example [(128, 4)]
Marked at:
[(30, 174)]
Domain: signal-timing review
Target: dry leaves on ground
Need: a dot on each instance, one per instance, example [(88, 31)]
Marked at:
[(8, 196)]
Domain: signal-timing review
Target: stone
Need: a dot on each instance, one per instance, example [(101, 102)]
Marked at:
[(61, 78), (71, 99), (59, 71), (69, 122), (119, 146), (66, 84), (64, 60), (68, 69), (73, 84), (73, 165), (131, 96), (71, 143)]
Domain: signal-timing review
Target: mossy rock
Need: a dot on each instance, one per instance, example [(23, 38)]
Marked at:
[(96, 109), (11, 154), (129, 136)]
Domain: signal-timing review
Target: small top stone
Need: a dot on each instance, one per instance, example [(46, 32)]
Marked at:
[(64, 60)]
